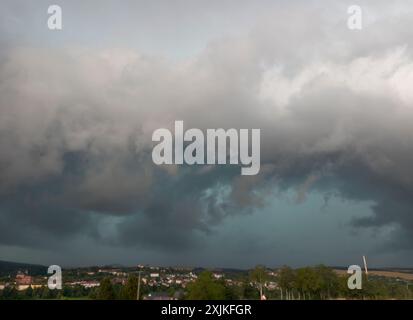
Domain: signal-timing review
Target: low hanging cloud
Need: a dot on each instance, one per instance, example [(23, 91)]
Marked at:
[(334, 109)]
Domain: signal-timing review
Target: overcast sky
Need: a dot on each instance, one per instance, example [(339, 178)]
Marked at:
[(78, 108)]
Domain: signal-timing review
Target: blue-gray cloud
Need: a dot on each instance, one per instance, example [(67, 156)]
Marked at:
[(333, 106)]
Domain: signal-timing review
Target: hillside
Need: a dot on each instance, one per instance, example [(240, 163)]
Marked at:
[(7, 267)]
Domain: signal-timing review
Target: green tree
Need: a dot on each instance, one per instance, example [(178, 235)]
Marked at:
[(9, 293), (93, 293), (130, 289), (259, 276), (328, 282), (106, 290), (249, 292), (28, 293), (206, 288), (46, 294), (231, 293), (286, 281), (308, 282)]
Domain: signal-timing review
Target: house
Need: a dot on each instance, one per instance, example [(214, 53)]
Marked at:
[(23, 279), (86, 284)]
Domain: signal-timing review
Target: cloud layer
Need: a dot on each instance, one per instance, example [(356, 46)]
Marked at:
[(334, 107)]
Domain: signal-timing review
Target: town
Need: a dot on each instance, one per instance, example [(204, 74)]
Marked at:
[(145, 282)]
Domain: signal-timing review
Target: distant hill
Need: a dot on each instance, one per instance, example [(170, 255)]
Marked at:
[(7, 268)]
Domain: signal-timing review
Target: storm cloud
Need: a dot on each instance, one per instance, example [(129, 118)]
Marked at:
[(335, 109)]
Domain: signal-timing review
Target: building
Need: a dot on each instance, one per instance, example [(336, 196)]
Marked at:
[(86, 284), (23, 279)]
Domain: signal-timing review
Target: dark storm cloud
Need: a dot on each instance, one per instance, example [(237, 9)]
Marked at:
[(29, 221), (334, 108)]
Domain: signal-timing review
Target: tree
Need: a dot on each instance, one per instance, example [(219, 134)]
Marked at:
[(9, 293), (259, 276), (286, 281), (249, 292), (93, 293), (230, 292), (129, 291), (206, 288), (308, 282), (328, 281), (29, 293), (46, 293), (106, 291)]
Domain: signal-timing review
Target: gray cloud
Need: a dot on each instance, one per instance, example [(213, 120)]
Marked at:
[(334, 108)]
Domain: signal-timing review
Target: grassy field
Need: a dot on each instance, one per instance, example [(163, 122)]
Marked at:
[(405, 275)]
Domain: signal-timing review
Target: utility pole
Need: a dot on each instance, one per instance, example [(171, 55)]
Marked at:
[(365, 267), (139, 286)]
